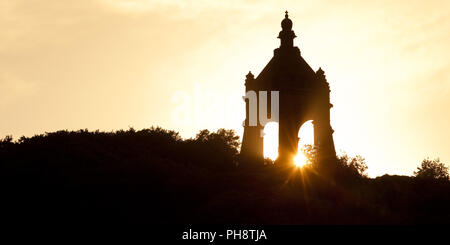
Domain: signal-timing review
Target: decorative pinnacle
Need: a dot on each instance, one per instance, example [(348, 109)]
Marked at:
[(321, 74), (286, 15), (250, 75)]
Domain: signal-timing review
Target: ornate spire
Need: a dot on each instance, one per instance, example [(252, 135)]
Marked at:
[(286, 35)]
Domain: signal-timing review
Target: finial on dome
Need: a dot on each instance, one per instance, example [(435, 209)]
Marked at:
[(286, 23), (286, 34)]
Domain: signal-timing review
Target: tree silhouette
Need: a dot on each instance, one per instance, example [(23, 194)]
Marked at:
[(432, 169), (155, 176), (225, 138), (346, 166), (357, 165)]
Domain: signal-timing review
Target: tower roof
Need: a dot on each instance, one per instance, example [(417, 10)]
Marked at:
[(287, 68)]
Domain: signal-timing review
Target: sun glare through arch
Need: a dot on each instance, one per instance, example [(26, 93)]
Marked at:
[(306, 137), (300, 159)]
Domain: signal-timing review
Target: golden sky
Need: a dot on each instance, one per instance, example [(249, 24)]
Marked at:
[(111, 64)]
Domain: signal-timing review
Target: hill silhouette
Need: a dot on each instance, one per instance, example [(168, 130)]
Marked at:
[(155, 176)]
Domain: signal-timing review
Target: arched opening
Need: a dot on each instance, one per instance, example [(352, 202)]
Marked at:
[(271, 140), (306, 137)]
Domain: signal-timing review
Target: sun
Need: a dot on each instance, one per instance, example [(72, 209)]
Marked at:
[(300, 159), (306, 136)]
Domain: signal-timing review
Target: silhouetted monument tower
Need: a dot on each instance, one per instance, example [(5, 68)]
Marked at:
[(303, 95)]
